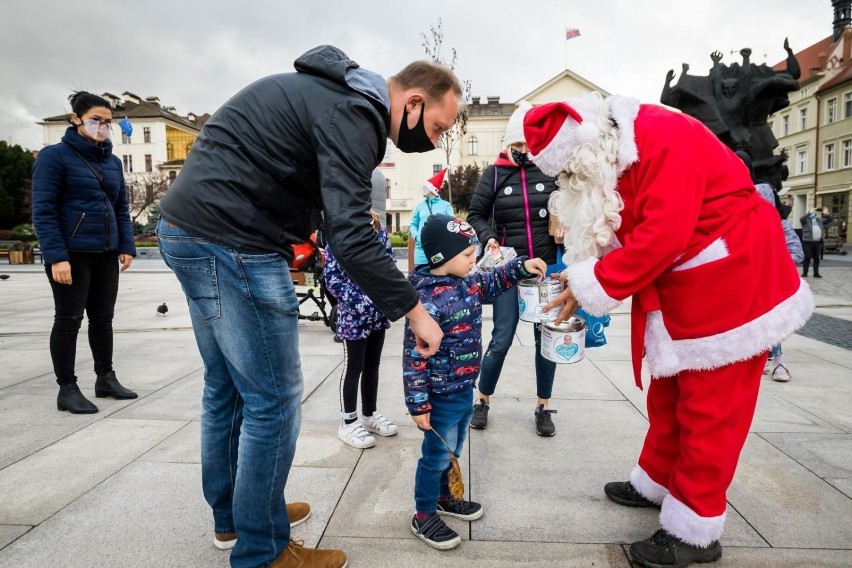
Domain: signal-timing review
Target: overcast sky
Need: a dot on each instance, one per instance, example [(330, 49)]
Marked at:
[(195, 54)]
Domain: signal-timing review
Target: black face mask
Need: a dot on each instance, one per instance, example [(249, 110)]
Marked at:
[(414, 140), (520, 158)]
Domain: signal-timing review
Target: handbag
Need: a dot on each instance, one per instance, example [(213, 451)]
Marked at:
[(595, 325)]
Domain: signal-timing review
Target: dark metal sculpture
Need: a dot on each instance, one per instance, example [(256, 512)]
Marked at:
[(734, 102)]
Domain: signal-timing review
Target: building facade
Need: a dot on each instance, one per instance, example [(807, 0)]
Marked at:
[(816, 129)]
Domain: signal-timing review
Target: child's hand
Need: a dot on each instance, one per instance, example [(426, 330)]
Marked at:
[(535, 266), (422, 421)]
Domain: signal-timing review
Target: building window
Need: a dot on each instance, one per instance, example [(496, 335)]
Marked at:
[(831, 110), (387, 188), (128, 163), (149, 163), (847, 105), (472, 146), (846, 149), (146, 132), (172, 176), (785, 125), (125, 139), (801, 161), (803, 119), (170, 151), (829, 156), (188, 148), (436, 168), (397, 222)]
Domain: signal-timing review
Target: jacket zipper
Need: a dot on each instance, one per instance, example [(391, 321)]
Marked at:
[(106, 224), (77, 226), (527, 212)]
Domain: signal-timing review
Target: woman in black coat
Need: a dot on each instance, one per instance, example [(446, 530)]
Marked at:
[(509, 209), (82, 220)]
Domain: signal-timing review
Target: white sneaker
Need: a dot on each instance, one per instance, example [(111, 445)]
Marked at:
[(781, 374), (355, 435), (378, 424)]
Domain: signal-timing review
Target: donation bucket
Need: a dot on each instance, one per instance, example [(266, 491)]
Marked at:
[(534, 294), (564, 343)]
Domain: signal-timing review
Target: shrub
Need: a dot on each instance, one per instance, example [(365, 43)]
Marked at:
[(399, 239)]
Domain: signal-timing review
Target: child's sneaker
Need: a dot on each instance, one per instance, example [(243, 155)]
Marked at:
[(434, 531), (464, 510), (378, 424), (355, 435), (781, 374)]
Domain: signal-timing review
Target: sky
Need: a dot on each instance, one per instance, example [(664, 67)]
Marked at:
[(195, 54)]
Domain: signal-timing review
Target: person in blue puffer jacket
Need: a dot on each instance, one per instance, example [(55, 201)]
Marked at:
[(439, 389), (82, 220)]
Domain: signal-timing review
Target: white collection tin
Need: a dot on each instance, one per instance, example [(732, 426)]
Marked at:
[(534, 294), (564, 343)]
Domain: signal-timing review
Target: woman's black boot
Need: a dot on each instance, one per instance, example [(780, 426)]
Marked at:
[(108, 385), (71, 399)]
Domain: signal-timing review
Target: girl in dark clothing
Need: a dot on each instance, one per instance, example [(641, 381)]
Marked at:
[(509, 208), (82, 219)]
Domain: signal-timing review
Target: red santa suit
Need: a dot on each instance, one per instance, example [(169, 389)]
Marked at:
[(713, 289)]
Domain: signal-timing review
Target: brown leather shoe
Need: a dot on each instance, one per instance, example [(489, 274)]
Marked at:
[(297, 512), (297, 556)]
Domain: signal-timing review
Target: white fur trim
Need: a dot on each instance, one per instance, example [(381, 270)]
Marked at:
[(625, 110), (716, 250), (667, 357), (553, 157), (684, 523), (650, 489), (587, 290), (431, 188)]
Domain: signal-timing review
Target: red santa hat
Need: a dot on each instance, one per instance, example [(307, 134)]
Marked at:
[(435, 182), (554, 130)]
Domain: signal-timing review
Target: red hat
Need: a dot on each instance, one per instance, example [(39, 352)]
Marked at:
[(435, 182), (553, 131)]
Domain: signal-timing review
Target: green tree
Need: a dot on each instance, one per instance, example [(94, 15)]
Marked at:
[(464, 180), (16, 166), (433, 45)]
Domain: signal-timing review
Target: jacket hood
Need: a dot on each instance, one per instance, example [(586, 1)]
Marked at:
[(503, 160), (422, 278), (331, 63), (87, 148)]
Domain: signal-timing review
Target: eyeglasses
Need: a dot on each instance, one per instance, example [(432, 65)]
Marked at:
[(99, 123)]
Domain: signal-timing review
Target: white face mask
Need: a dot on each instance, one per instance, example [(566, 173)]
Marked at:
[(95, 127), (428, 193)]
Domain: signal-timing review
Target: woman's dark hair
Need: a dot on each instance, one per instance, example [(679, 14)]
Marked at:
[(83, 101)]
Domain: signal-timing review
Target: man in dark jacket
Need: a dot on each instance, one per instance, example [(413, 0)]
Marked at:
[(277, 157), (813, 235)]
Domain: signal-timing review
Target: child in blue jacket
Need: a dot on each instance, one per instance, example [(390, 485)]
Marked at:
[(439, 389)]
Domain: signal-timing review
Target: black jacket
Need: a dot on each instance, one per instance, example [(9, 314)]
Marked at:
[(518, 210), (285, 152)]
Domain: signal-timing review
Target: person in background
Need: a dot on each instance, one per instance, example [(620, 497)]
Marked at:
[(509, 208), (361, 326), (82, 219), (775, 364), (439, 389), (814, 224), (281, 154), (432, 204)]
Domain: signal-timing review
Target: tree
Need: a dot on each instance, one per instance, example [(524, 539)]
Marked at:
[(433, 45), (464, 179), (16, 165), (143, 191)]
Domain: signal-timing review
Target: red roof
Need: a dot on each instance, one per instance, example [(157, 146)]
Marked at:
[(808, 58), (840, 78)]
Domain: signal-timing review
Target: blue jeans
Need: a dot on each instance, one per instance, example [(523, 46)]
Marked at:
[(245, 317), (450, 417), (775, 351), (506, 317)]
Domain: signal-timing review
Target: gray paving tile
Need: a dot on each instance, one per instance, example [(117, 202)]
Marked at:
[(775, 414), (826, 455), (398, 552), (184, 446), (8, 533), (787, 504), (74, 465), (783, 558)]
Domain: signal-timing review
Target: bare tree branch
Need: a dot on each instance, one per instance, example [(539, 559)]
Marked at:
[(143, 191)]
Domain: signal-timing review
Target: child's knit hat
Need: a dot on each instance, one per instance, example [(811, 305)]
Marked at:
[(444, 236)]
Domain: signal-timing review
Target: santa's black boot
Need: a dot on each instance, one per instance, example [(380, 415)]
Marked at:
[(664, 550)]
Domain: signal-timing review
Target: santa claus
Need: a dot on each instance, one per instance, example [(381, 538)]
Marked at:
[(658, 209)]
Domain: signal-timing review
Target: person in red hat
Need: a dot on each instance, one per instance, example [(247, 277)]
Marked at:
[(657, 208), (432, 204)]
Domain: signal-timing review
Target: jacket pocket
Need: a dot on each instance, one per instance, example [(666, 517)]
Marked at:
[(78, 224)]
